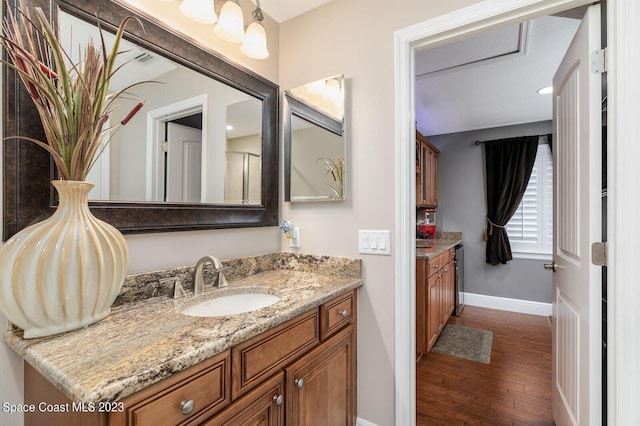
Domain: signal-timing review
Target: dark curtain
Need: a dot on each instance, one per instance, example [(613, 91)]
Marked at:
[(508, 164)]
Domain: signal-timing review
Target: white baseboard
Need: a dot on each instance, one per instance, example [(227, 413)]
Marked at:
[(506, 304), (363, 422)]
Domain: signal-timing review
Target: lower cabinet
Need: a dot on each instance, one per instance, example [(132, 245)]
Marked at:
[(435, 298), (302, 372), (321, 385), (263, 406)]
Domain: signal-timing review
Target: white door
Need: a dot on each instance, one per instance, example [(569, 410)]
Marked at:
[(184, 163), (577, 223)]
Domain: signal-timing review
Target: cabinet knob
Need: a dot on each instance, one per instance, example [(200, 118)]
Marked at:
[(299, 382), (278, 399), (187, 406), (343, 313)]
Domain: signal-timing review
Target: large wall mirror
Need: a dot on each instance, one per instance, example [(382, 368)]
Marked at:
[(314, 136), (200, 154)]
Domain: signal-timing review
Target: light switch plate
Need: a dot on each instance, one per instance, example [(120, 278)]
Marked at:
[(374, 242)]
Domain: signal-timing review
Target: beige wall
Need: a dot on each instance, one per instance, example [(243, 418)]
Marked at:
[(353, 37), (357, 38)]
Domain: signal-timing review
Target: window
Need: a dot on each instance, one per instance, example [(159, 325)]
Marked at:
[(530, 229)]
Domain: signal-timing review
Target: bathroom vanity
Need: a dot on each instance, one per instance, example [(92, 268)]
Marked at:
[(293, 362)]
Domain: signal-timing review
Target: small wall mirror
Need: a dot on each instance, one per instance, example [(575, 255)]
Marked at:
[(315, 145)]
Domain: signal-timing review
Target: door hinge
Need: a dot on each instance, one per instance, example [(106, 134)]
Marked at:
[(599, 61), (164, 146), (600, 253)]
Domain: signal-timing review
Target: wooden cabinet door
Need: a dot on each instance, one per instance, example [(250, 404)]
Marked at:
[(434, 317), (419, 167), (320, 387), (421, 307), (450, 288), (426, 172), (262, 406), (432, 178)]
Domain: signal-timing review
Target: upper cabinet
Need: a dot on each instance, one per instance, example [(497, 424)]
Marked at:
[(426, 172)]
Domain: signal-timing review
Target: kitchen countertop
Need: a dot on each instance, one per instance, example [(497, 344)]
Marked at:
[(438, 245), (147, 340)]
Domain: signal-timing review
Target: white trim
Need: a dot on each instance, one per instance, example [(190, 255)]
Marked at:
[(623, 228), (199, 103), (507, 304), (363, 422), (437, 31)]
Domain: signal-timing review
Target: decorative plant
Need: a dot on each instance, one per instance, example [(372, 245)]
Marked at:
[(72, 100), (336, 170)]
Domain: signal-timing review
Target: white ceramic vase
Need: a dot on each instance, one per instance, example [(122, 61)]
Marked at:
[(65, 272)]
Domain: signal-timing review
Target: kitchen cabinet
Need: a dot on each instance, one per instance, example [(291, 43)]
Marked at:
[(426, 172), (421, 307), (435, 298), (293, 374)]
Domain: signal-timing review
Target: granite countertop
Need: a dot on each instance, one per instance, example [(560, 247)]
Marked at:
[(428, 249), (146, 339)]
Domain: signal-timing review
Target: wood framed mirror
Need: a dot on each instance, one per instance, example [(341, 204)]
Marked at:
[(28, 169)]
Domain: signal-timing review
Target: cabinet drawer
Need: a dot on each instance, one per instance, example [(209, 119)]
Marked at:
[(436, 263), (206, 387), (337, 313), (258, 358)]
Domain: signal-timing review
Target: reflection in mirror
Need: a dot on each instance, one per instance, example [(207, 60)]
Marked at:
[(223, 178), (314, 141), (200, 140)]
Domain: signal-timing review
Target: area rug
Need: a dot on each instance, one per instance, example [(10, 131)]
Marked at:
[(465, 342)]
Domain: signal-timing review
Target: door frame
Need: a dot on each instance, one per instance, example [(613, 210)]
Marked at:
[(155, 136), (623, 228)]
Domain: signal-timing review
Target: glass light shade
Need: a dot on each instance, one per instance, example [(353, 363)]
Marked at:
[(199, 10), (230, 26), (255, 41)]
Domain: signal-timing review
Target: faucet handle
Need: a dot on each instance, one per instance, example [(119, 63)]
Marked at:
[(178, 290)]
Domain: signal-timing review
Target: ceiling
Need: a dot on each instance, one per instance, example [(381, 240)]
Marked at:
[(486, 81), (491, 80), (283, 10)]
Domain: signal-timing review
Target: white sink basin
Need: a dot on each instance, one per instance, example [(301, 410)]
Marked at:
[(230, 305)]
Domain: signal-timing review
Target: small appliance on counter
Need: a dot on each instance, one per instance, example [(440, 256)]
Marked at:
[(426, 228)]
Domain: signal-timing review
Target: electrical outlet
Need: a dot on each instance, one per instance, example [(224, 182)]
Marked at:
[(374, 242), (294, 242)]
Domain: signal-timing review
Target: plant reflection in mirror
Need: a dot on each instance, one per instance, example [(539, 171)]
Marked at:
[(336, 170), (72, 99)]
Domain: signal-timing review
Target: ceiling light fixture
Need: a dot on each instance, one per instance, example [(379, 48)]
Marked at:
[(545, 90), (201, 11), (230, 26), (255, 41)]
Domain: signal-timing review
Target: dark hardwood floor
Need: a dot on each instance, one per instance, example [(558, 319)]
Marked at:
[(514, 389)]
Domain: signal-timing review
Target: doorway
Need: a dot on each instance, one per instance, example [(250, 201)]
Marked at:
[(455, 26)]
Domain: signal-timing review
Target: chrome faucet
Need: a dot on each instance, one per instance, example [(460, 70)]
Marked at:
[(198, 274)]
